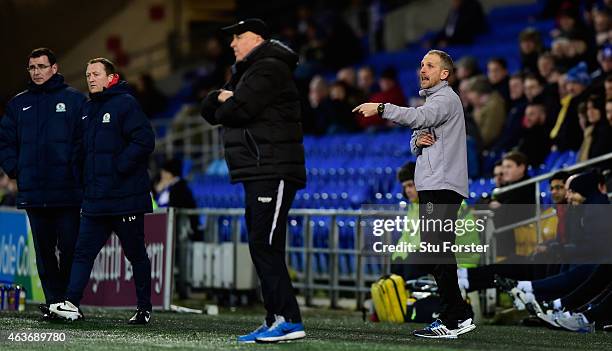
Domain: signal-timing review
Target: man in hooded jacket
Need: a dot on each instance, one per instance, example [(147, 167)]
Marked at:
[(37, 147), (117, 139), (259, 109)]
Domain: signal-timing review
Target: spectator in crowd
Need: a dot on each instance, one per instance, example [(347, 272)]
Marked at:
[(562, 88), (597, 138), (474, 138), (498, 174), (536, 91), (390, 91), (212, 73), (312, 53), (533, 86), (530, 44), (320, 108), (516, 90), (467, 67), (489, 110), (514, 167), (559, 199), (566, 131), (173, 191), (608, 86), (609, 111), (547, 68), (507, 211), (464, 22), (604, 58), (152, 100), (570, 25), (498, 178), (583, 121), (8, 190), (347, 75), (584, 226), (341, 120), (557, 194), (341, 45), (464, 89), (602, 25), (497, 72), (511, 131), (353, 95), (406, 177), (534, 141), (366, 81), (553, 228)]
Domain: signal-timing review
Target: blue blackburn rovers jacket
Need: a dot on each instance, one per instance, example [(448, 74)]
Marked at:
[(117, 141), (38, 140)]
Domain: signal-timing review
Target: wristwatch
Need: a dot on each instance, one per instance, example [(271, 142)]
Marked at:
[(380, 109)]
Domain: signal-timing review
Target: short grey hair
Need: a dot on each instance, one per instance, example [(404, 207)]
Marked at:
[(445, 60)]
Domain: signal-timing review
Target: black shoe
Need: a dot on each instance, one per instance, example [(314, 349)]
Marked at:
[(140, 317), (46, 314), (547, 305), (532, 321), (505, 284), (607, 328), (44, 309)]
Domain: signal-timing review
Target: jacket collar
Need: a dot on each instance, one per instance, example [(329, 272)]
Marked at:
[(56, 82), (434, 89)]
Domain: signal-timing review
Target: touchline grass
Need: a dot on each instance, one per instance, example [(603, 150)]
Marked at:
[(326, 330)]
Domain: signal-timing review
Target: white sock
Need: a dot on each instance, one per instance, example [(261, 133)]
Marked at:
[(464, 283), (529, 297), (584, 318), (462, 273), (557, 304), (525, 285)]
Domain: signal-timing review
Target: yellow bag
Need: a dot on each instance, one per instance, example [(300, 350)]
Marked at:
[(526, 237), (390, 298)]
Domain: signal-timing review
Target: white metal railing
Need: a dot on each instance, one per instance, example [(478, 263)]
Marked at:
[(536, 181), (308, 281), (190, 137)]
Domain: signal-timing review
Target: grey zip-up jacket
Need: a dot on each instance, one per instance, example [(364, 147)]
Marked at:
[(443, 165)]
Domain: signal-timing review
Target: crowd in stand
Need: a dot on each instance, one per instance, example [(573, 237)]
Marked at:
[(535, 110), (556, 101)]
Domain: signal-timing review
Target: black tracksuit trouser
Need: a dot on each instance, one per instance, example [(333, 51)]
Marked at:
[(443, 205), (266, 209)]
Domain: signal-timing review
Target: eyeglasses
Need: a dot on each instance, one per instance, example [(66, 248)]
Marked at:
[(33, 68)]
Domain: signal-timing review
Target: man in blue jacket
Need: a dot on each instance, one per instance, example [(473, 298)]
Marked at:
[(117, 142), (37, 143)]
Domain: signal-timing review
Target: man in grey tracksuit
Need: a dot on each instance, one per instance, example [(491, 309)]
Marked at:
[(441, 179)]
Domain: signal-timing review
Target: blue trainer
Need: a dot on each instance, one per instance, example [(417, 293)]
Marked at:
[(282, 331), (250, 338)]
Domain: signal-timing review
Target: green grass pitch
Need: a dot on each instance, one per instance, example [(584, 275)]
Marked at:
[(326, 330)]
